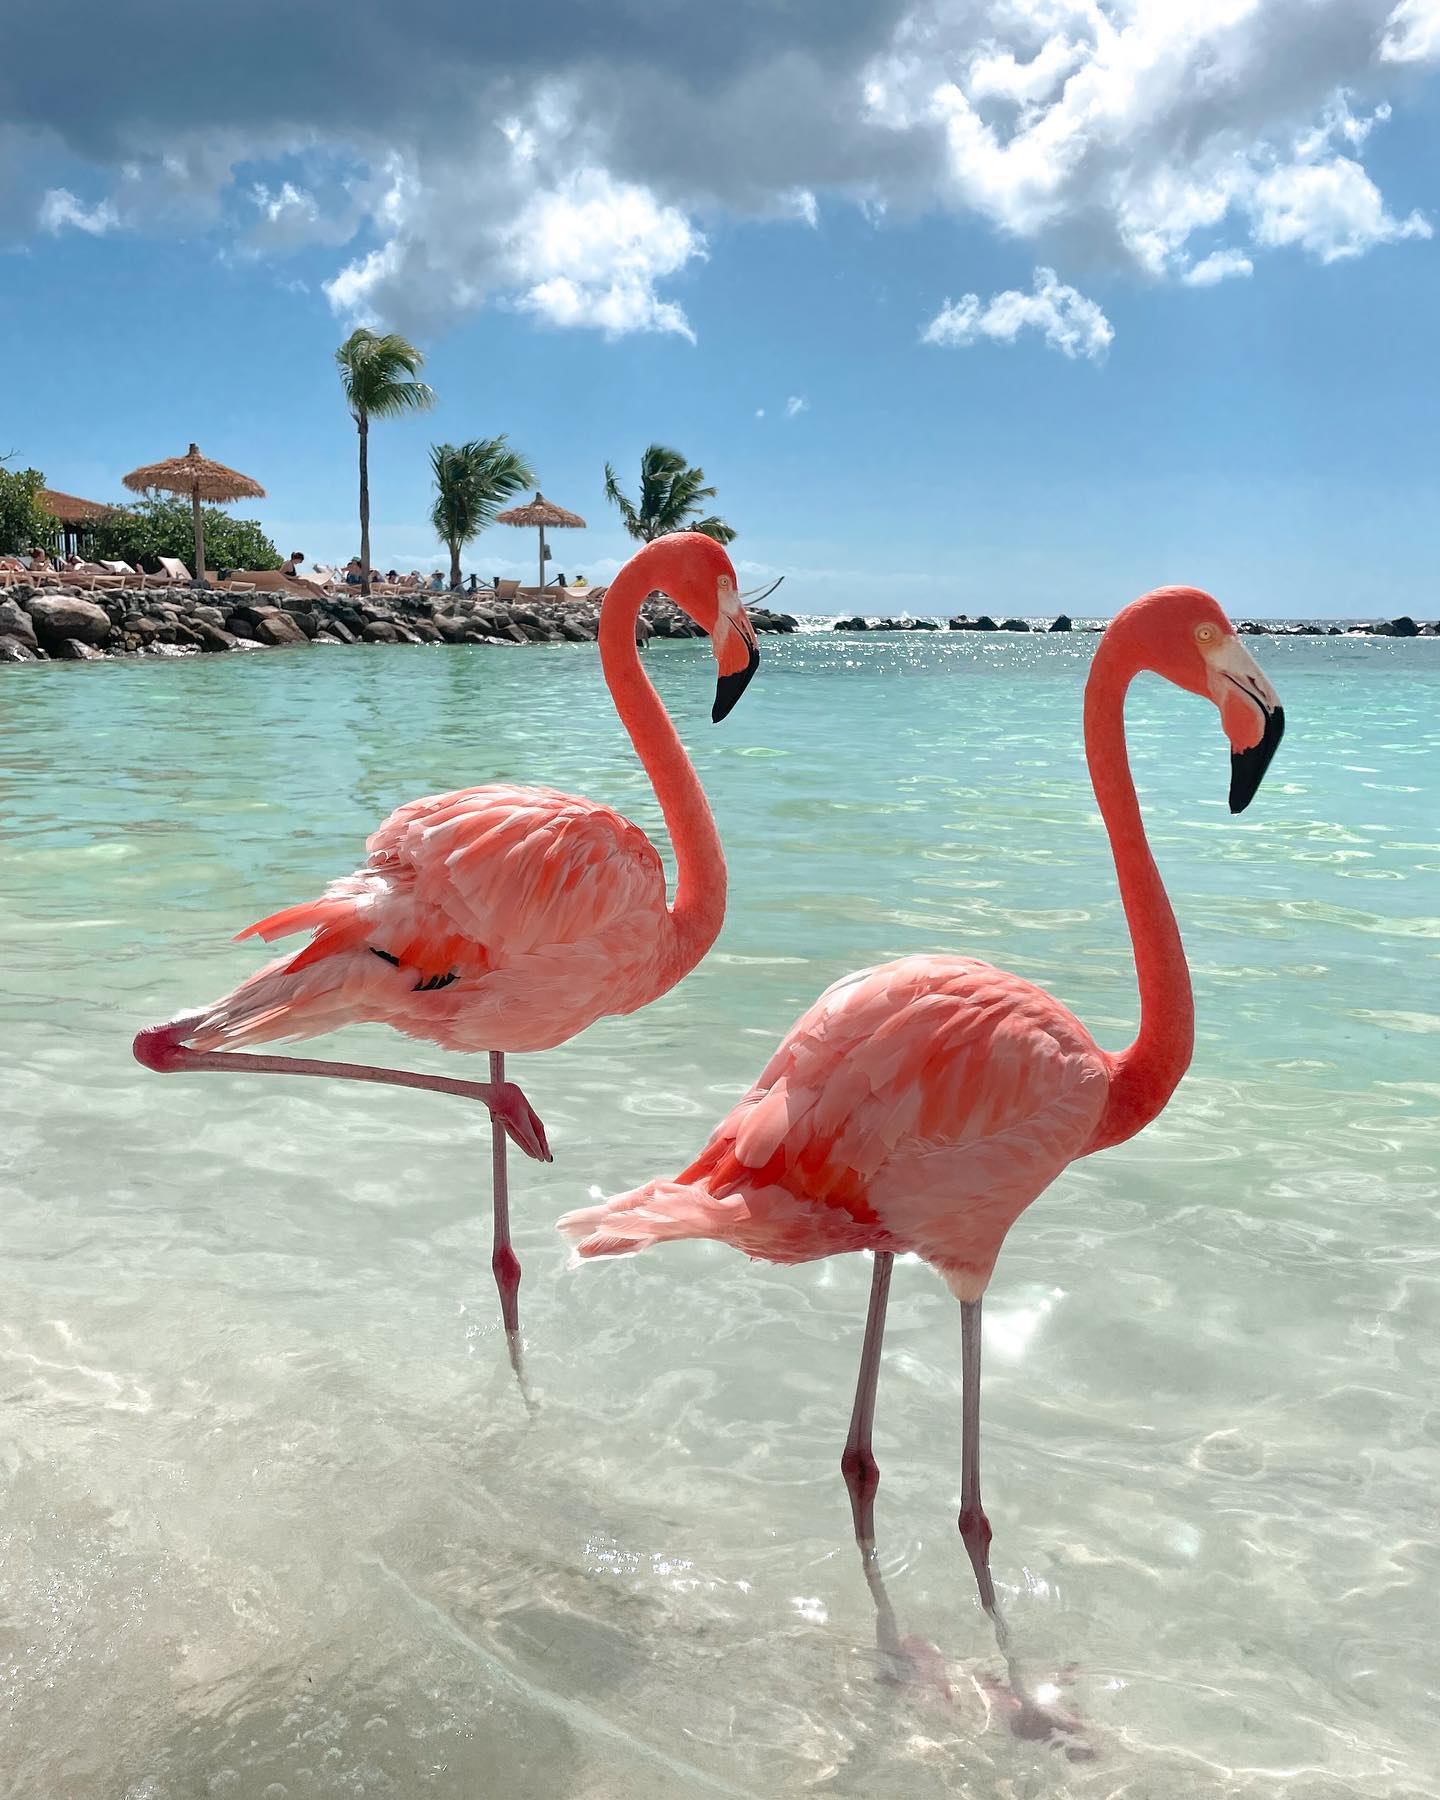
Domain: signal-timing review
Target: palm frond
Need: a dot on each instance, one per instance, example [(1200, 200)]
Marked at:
[(376, 375), (628, 516), (472, 482), (670, 492)]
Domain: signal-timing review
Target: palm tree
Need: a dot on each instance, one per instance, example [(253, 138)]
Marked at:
[(376, 375), (471, 480), (670, 493)]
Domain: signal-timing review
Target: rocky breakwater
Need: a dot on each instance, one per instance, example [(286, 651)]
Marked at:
[(962, 622), (39, 624)]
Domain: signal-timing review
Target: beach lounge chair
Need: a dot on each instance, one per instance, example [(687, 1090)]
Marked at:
[(173, 569), (507, 590)]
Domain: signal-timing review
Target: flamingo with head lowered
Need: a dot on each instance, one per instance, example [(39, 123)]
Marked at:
[(505, 918), (922, 1105)]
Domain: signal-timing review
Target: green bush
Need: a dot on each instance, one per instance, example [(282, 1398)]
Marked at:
[(24, 522), (154, 528)]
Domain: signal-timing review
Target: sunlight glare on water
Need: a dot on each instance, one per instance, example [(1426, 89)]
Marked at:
[(275, 1520)]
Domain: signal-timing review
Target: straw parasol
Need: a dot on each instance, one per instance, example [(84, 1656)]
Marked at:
[(201, 479), (542, 512)]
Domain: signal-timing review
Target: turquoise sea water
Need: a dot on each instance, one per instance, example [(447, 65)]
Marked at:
[(275, 1519)]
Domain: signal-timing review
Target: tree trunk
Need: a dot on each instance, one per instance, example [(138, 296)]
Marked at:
[(454, 563), (199, 536), (363, 425)]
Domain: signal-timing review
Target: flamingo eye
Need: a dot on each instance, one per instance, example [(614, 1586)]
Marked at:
[(1205, 634)]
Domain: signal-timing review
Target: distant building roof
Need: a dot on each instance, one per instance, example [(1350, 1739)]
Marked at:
[(70, 509)]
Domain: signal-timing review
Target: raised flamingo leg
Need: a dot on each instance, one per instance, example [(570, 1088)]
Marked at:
[(974, 1526), (162, 1048), (503, 1260), (858, 1465)]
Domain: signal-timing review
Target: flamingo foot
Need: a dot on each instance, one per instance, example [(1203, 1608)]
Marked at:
[(510, 1109), (1036, 1720)]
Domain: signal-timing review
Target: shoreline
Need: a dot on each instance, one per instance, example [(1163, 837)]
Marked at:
[(69, 624), (65, 624)]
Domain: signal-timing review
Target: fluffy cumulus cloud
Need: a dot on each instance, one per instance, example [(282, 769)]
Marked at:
[(545, 160), (1065, 319)]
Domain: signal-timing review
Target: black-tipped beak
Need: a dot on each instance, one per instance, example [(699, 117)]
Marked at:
[(729, 688), (1247, 767)]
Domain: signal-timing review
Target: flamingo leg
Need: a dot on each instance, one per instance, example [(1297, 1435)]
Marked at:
[(858, 1465), (162, 1047), (974, 1526), (503, 1260)]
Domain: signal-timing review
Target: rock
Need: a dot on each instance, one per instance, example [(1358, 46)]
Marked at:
[(74, 650), (576, 632), (15, 649), (1404, 626), (339, 632), (1061, 622), (213, 637), (855, 624), (451, 627), (15, 622), (64, 620), (278, 628), (426, 631), (966, 623), (1014, 625), (212, 615), (380, 631), (303, 617)]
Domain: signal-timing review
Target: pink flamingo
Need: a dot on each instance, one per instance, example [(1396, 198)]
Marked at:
[(924, 1104), (505, 918)]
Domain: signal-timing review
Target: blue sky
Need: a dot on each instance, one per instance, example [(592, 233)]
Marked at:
[(588, 273)]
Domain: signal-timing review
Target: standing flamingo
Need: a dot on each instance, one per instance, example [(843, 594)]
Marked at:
[(924, 1104), (505, 918)]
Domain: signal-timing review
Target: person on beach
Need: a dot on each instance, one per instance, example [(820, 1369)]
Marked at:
[(40, 563), (293, 562), (437, 582), (353, 577)]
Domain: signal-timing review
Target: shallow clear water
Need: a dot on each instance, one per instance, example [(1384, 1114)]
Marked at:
[(275, 1519)]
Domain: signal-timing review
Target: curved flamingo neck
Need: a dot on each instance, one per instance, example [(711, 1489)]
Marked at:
[(1142, 1077), (698, 909)]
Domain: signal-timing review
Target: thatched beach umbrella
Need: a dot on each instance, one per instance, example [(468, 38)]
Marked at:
[(201, 479), (542, 512)]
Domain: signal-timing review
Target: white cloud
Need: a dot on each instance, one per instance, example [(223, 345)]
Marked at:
[(1332, 209), (586, 250), (60, 209), (593, 251), (795, 405), (1067, 320), (1132, 125), (759, 412), (1412, 33), (558, 169), (1218, 266)]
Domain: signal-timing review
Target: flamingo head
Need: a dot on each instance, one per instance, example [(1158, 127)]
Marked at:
[(1189, 641), (700, 578)]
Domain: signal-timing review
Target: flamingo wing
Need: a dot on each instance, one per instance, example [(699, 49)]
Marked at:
[(919, 1106), (461, 883)]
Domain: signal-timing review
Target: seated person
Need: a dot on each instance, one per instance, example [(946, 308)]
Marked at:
[(291, 565), (353, 577), (40, 563), (392, 576), (437, 582)]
